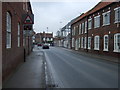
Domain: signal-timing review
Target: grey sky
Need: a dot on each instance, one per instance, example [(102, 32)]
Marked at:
[(50, 14)]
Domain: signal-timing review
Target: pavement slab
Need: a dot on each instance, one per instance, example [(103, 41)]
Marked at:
[(30, 74)]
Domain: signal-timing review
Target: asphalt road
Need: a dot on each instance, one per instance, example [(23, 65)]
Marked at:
[(70, 69)]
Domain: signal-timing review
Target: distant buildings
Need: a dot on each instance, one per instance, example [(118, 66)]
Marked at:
[(15, 45), (44, 38), (63, 36)]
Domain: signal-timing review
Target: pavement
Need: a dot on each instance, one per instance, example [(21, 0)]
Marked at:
[(30, 74), (103, 57)]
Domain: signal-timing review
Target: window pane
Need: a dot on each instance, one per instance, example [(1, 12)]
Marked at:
[(118, 42), (8, 30)]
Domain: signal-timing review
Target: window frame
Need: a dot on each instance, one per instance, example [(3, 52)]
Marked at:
[(89, 25), (89, 42), (8, 30), (82, 42), (96, 23), (106, 23), (106, 49), (116, 48), (118, 19), (18, 35), (85, 27), (73, 42), (85, 42), (80, 28), (96, 43)]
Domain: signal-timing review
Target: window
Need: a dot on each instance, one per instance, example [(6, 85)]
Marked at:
[(79, 43), (82, 28), (96, 43), (106, 18), (97, 21), (82, 42), (77, 30), (73, 40), (74, 30), (8, 30), (117, 15), (89, 23), (18, 35), (85, 42), (117, 42), (105, 42), (51, 39), (89, 42), (85, 26)]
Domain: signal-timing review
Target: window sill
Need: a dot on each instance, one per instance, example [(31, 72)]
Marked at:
[(105, 50), (8, 47), (96, 49), (116, 51), (89, 28), (97, 27), (117, 22), (106, 24)]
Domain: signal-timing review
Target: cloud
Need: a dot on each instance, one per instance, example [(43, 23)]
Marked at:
[(50, 14)]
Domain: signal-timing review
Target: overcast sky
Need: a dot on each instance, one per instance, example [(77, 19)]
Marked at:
[(55, 15)]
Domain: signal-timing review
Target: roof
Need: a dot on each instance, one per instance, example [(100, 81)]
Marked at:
[(99, 6)]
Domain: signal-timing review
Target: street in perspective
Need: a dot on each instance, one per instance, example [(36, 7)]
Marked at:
[(60, 44)]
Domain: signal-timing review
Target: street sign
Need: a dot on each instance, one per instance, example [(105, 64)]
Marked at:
[(28, 20), (27, 27), (27, 33)]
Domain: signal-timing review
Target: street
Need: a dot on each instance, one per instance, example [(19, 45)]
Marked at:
[(69, 69)]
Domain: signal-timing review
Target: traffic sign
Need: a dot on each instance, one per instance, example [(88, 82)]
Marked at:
[(28, 20)]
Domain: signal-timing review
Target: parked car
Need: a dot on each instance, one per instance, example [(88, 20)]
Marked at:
[(39, 44), (45, 46)]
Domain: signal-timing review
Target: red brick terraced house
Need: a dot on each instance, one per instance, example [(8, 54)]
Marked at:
[(12, 36), (44, 38), (98, 30)]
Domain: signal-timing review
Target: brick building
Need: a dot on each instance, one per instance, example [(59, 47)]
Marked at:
[(98, 30), (44, 38), (13, 44)]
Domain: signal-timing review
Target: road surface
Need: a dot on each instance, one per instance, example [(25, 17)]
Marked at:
[(70, 69)]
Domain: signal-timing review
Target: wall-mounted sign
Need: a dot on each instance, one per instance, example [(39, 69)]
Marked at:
[(28, 27), (28, 19)]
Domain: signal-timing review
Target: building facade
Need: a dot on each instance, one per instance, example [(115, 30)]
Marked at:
[(13, 45), (44, 38), (98, 30)]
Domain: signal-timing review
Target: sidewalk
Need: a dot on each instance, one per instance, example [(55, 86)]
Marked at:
[(30, 74), (102, 57)]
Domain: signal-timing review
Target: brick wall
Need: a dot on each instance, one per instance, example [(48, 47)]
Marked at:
[(13, 56), (0, 45), (109, 30)]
